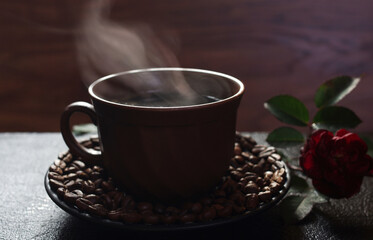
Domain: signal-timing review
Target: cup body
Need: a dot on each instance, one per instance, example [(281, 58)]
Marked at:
[(167, 153)]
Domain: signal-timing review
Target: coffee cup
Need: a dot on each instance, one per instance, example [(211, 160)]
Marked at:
[(160, 138)]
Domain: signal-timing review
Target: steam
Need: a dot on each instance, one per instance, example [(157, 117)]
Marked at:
[(106, 47)]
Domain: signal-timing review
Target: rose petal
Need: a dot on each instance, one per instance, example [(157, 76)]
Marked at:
[(310, 167), (338, 190), (341, 132)]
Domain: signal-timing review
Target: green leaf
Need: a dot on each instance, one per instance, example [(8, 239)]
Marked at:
[(332, 91), (334, 118), (288, 109), (299, 185), (84, 129), (285, 136), (305, 207)]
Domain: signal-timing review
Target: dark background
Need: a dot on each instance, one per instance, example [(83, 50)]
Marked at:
[(274, 47)]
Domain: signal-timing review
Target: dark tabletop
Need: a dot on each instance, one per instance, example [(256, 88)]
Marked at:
[(26, 211)]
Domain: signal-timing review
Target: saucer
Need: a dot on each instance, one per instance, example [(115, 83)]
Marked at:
[(73, 210)]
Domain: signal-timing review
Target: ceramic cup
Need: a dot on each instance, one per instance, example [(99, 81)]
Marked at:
[(155, 142)]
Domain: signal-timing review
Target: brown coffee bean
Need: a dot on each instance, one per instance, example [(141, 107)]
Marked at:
[(107, 201), (88, 187), (208, 214), (260, 181), (93, 198), (250, 176), (70, 169), (88, 171), (71, 176), (171, 210), (60, 163), (97, 169), (279, 164), (236, 175), (169, 219), (131, 217), (237, 149), (159, 208), (275, 187), (251, 187), (107, 186), (277, 175), (239, 159), (61, 192), (68, 158), (54, 168), (187, 218), (267, 152), (98, 209), (151, 219), (98, 182), (258, 169), (56, 176), (271, 160), (82, 174), (226, 211), (237, 197), (238, 209), (267, 175), (258, 148), (128, 203), (115, 215), (276, 156), (71, 197), (78, 164), (196, 208), (72, 185), (55, 184), (62, 155), (266, 188), (83, 204), (265, 196), (144, 206), (252, 201), (99, 191), (117, 199)]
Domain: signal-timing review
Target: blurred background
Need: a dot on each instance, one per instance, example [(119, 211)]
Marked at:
[(274, 47)]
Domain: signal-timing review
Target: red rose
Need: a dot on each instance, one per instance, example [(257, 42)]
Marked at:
[(336, 164)]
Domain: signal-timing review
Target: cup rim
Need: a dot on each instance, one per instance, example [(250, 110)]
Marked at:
[(238, 93)]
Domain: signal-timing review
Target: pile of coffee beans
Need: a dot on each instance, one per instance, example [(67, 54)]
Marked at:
[(255, 176)]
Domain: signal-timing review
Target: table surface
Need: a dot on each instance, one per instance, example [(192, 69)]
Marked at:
[(26, 211)]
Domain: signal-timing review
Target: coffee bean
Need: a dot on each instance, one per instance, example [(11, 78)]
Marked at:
[(131, 217), (151, 219), (72, 185), (60, 163), (171, 210), (187, 218), (88, 186), (97, 169), (83, 204), (68, 157), (239, 159), (82, 174), (99, 191), (71, 169), (93, 198), (251, 187), (271, 159), (276, 156), (238, 209), (279, 164), (117, 199), (107, 186), (237, 149), (54, 168), (197, 208), (265, 196), (252, 201), (115, 215), (144, 206), (237, 175), (208, 214), (159, 208), (56, 176), (258, 148), (237, 197), (259, 181), (71, 176), (61, 192), (226, 211), (78, 164), (107, 201), (246, 155), (55, 184), (88, 171), (250, 176), (275, 187), (98, 209), (169, 219), (71, 197), (128, 203), (62, 155)]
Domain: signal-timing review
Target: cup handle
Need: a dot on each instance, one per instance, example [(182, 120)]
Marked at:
[(90, 155)]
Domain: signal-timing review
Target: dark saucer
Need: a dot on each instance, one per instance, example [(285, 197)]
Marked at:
[(73, 210)]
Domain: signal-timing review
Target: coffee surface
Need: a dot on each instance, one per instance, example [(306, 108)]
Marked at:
[(167, 100)]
